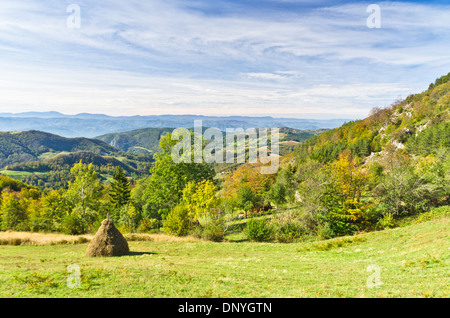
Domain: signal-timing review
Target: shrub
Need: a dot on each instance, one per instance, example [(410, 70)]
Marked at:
[(148, 225), (214, 231), (334, 243), (325, 231), (258, 230), (287, 227), (387, 221), (73, 225), (177, 221)]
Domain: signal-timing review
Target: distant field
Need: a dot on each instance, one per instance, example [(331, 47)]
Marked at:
[(52, 155), (412, 261), (12, 173)]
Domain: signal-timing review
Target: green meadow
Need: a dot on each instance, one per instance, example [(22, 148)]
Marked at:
[(408, 261)]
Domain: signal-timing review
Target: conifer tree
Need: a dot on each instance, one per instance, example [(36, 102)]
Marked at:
[(120, 189)]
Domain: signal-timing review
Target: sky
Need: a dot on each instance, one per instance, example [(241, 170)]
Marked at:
[(282, 58)]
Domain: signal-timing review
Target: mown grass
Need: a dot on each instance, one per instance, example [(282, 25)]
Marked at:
[(413, 262)]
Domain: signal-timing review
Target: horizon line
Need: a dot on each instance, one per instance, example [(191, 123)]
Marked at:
[(306, 116)]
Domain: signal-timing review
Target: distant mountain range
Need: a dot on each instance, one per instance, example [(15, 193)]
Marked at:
[(92, 125)]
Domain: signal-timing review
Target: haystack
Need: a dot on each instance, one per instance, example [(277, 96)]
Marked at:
[(108, 241)]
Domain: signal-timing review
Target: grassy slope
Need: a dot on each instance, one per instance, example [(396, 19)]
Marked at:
[(414, 262)]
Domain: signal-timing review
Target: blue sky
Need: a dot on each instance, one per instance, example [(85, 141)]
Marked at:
[(285, 58)]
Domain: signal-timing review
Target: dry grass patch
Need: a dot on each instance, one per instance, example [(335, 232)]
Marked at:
[(26, 238)]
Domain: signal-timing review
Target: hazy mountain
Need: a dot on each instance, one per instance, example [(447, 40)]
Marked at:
[(91, 125)]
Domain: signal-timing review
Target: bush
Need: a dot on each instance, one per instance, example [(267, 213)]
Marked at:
[(287, 228), (73, 225), (325, 231), (258, 230), (387, 221), (214, 231), (177, 221), (148, 225)]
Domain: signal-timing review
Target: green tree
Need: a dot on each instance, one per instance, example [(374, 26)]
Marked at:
[(198, 207), (246, 198), (410, 188), (84, 193), (168, 179), (277, 194), (178, 221), (258, 230), (283, 190), (55, 208), (345, 197), (13, 214), (120, 192)]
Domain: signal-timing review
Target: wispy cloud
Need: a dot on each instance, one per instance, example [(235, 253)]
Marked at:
[(224, 57)]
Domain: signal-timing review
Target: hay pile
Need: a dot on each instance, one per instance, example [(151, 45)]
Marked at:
[(108, 241)]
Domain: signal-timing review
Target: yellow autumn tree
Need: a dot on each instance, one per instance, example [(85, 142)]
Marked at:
[(247, 175), (345, 198), (200, 199)]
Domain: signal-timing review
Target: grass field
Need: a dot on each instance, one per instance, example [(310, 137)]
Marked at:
[(12, 173), (410, 261)]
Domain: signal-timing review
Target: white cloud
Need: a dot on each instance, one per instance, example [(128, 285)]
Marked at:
[(142, 57)]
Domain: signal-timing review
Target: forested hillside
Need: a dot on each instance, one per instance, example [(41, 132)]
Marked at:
[(366, 175), (26, 146), (147, 140), (419, 122), (44, 160), (144, 140), (370, 173)]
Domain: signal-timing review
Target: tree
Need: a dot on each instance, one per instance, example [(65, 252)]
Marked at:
[(128, 217), (55, 208), (409, 188), (283, 190), (13, 214), (168, 179), (344, 196), (84, 193), (250, 175), (199, 206), (120, 192), (177, 221), (203, 201), (277, 194)]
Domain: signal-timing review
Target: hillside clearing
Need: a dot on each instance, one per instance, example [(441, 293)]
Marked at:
[(413, 261)]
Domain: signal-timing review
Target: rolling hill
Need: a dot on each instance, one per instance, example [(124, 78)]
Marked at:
[(44, 159), (27, 146), (144, 140), (147, 140), (418, 125)]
